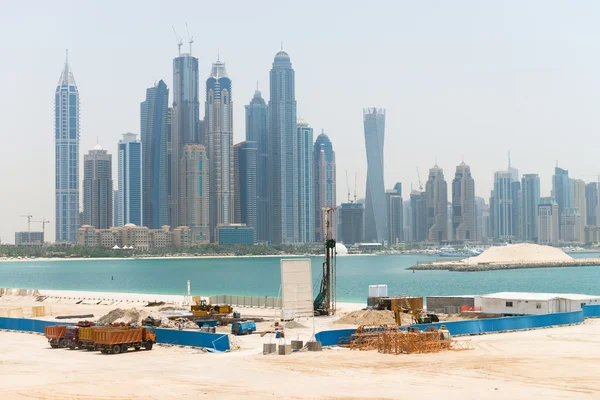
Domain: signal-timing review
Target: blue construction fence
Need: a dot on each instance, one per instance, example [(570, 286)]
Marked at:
[(592, 311), (216, 341), (474, 327)]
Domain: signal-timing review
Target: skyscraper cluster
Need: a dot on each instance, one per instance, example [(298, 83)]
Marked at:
[(185, 171)]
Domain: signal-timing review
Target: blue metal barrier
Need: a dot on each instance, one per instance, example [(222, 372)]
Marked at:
[(215, 341), (473, 327), (591, 311)]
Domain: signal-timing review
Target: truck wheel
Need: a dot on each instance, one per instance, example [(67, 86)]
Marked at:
[(61, 343), (124, 348), (71, 346), (116, 349), (148, 345), (90, 348)]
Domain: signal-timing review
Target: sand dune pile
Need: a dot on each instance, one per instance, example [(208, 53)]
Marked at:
[(522, 252), (368, 317), (120, 315)]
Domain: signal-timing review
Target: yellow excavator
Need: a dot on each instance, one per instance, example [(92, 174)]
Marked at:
[(202, 308), (418, 316)]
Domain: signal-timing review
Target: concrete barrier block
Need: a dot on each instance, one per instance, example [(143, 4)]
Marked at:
[(297, 344), (314, 346), (269, 348), (285, 349)]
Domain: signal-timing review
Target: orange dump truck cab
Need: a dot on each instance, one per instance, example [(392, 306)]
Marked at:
[(115, 341), (56, 335)]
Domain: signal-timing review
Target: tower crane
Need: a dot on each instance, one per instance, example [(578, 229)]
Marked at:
[(44, 221), (348, 186), (190, 38), (355, 175), (179, 41), (419, 178), (28, 216)]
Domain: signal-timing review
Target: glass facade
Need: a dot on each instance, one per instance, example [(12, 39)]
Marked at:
[(130, 181), (324, 185), (66, 139), (375, 210)]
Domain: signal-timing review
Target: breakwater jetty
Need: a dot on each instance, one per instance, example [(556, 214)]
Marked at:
[(514, 256)]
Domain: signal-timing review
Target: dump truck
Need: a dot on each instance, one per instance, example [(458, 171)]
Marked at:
[(115, 341), (86, 336), (56, 335)]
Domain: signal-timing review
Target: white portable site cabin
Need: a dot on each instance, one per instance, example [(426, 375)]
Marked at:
[(517, 303)]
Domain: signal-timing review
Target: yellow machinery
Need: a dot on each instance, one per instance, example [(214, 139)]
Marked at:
[(418, 316), (202, 308)]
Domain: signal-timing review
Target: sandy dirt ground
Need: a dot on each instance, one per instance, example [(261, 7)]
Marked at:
[(555, 363)]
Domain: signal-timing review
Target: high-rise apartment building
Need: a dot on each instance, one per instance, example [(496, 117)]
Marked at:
[(394, 205), (483, 219), (464, 217), (570, 226), (436, 194), (375, 211), (324, 185), (97, 188), (530, 199), (418, 208), (283, 152), (218, 125), (245, 160), (561, 189), (306, 181), (130, 180), (66, 147), (578, 202), (352, 216), (548, 221), (503, 206), (591, 203), (116, 216), (195, 208), (257, 130), (154, 123), (185, 124)]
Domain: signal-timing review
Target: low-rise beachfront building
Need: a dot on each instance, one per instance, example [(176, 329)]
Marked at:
[(231, 234), (135, 237), (161, 238), (517, 303)]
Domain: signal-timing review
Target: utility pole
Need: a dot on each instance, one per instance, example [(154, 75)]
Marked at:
[(28, 216)]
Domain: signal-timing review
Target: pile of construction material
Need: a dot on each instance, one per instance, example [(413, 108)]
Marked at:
[(388, 340)]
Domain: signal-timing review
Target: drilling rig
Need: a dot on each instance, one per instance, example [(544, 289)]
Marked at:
[(324, 303)]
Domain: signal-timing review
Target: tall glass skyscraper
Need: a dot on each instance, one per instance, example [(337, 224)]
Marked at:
[(97, 188), (195, 197), (375, 210), (530, 200), (245, 155), (325, 185), (155, 178), (130, 180), (257, 130), (218, 123), (306, 201), (185, 119), (464, 217), (503, 206), (436, 195), (66, 142), (561, 191), (283, 152)]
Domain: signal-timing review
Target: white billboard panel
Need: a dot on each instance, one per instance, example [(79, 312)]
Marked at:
[(296, 287)]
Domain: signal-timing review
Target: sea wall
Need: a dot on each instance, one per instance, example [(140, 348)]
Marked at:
[(217, 341)]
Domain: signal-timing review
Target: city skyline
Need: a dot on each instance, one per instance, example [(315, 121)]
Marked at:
[(547, 114)]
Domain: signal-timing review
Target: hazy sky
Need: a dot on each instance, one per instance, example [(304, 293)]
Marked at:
[(459, 79)]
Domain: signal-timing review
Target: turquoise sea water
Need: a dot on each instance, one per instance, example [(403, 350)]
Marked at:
[(261, 277)]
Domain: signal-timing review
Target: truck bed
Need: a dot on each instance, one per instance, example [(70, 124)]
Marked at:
[(117, 336), (55, 331)]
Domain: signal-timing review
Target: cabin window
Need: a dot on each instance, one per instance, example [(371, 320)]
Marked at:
[(538, 305), (509, 304)]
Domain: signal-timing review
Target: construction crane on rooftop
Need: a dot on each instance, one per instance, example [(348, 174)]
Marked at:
[(348, 186), (190, 38), (28, 216), (419, 178), (179, 41)]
